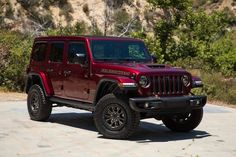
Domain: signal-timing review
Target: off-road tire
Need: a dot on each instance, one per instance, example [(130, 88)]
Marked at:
[(43, 108), (131, 117), (184, 123)]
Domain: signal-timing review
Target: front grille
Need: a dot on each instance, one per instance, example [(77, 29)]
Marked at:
[(168, 85)]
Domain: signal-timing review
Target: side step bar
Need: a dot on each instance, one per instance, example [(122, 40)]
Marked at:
[(73, 103)]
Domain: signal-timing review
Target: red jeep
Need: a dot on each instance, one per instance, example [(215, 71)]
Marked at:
[(116, 79)]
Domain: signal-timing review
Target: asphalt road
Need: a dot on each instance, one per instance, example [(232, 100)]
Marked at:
[(71, 132)]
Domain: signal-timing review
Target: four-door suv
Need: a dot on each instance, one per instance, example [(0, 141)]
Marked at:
[(116, 79)]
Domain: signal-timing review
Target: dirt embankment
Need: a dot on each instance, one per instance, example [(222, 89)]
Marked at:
[(12, 96)]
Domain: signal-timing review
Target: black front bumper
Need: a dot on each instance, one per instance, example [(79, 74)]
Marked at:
[(176, 104)]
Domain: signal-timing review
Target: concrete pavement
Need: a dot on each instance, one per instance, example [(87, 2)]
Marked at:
[(71, 132)]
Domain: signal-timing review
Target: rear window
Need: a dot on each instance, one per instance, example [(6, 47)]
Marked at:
[(39, 52), (56, 54)]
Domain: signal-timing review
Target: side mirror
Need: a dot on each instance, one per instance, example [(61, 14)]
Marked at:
[(81, 58), (154, 58), (80, 55)]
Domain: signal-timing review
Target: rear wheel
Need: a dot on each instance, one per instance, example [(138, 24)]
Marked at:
[(184, 122), (38, 107), (114, 118)]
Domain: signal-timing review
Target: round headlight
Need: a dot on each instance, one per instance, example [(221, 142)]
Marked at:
[(144, 82), (185, 80)]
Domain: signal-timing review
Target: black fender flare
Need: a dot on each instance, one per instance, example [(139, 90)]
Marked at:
[(43, 83), (99, 88)]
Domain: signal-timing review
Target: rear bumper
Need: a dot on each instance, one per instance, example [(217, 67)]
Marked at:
[(167, 104)]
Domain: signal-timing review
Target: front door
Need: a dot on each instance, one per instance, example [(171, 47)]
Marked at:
[(76, 81), (55, 65)]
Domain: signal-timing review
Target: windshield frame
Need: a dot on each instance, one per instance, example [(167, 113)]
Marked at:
[(139, 42)]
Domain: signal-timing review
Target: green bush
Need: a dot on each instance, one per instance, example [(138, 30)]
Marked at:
[(17, 49), (217, 87)]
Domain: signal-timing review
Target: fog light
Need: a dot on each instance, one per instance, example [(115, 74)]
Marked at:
[(146, 105), (195, 102), (198, 102)]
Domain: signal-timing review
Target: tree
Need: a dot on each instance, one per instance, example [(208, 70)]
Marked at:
[(201, 38), (173, 12)]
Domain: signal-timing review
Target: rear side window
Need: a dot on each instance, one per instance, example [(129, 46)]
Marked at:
[(39, 52), (56, 54)]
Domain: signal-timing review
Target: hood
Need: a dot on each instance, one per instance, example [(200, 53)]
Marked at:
[(136, 68)]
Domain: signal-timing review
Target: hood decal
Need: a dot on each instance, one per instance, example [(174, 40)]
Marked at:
[(116, 72)]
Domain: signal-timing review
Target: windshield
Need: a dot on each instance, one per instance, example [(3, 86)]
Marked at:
[(120, 50)]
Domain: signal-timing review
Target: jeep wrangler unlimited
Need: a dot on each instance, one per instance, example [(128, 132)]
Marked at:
[(116, 79)]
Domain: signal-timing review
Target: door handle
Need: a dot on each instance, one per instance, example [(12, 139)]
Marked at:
[(50, 70)]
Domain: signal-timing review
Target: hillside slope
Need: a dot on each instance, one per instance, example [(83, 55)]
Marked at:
[(26, 15), (31, 15)]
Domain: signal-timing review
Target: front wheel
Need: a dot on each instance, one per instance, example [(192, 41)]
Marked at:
[(184, 122), (114, 118)]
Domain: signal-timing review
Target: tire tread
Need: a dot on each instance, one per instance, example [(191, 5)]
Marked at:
[(45, 105)]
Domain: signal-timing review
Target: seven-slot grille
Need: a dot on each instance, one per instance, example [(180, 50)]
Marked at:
[(167, 84)]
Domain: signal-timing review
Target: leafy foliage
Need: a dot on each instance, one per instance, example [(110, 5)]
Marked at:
[(17, 48), (187, 34), (152, 44), (217, 87)]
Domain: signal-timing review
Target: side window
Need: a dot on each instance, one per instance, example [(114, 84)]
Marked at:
[(77, 53), (39, 52), (56, 54)]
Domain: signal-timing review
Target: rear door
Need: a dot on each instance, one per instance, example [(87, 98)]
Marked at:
[(55, 66), (76, 82)]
